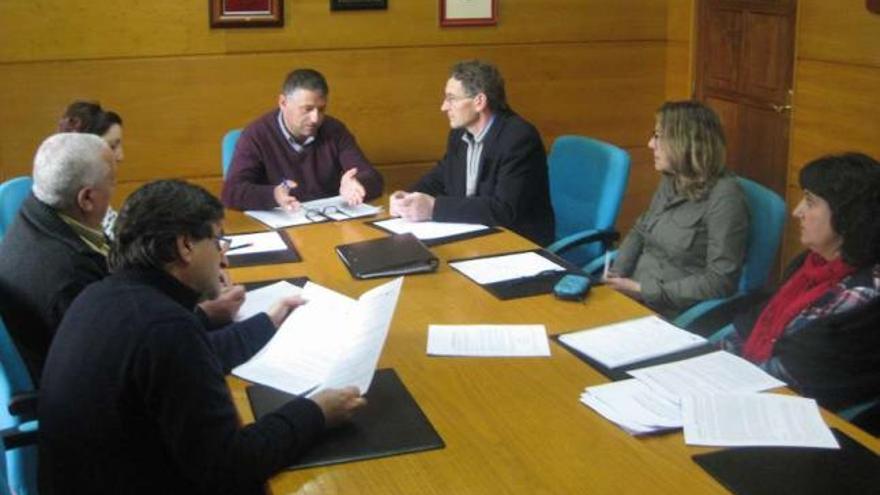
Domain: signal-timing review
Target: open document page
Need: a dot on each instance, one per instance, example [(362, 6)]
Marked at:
[(505, 267), (429, 230), (259, 300), (754, 419), (319, 210), (488, 340), (631, 341), (329, 332), (716, 372), (633, 406), (260, 242)]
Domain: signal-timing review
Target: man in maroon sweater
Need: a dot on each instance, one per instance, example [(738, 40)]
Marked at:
[(298, 153)]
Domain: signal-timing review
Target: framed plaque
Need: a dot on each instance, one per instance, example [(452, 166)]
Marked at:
[(246, 13), (468, 12)]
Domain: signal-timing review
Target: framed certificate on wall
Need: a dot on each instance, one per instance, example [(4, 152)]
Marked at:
[(246, 13), (468, 12)]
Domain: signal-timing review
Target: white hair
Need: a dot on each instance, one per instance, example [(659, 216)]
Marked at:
[(66, 163)]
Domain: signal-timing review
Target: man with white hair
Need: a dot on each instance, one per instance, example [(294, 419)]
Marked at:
[(55, 246)]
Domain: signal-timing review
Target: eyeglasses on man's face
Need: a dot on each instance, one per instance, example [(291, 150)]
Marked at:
[(223, 243)]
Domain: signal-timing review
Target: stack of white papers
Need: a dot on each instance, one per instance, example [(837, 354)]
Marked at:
[(259, 300), (320, 210), (429, 230), (505, 267), (755, 419), (631, 341), (331, 341), (260, 242), (633, 406), (488, 340)]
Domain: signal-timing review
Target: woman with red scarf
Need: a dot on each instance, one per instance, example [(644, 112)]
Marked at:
[(820, 331)]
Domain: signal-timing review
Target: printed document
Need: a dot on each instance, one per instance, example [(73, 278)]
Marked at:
[(259, 300), (488, 340), (716, 372), (331, 341), (319, 210), (505, 267), (633, 406), (754, 419), (429, 230), (260, 242), (631, 341)]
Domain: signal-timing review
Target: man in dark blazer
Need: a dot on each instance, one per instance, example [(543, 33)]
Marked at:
[(495, 168)]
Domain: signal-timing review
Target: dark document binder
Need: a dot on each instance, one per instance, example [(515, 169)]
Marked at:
[(400, 254), (289, 255), (787, 470), (542, 283), (620, 373), (391, 423), (297, 281)]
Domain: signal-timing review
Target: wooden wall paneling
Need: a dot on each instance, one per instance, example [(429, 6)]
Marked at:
[(841, 31), (45, 29)]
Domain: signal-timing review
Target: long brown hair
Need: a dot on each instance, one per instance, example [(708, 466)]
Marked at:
[(692, 137)]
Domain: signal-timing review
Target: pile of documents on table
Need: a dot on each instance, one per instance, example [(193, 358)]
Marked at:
[(712, 396)]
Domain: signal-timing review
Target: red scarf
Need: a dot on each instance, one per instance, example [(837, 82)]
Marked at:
[(813, 279)]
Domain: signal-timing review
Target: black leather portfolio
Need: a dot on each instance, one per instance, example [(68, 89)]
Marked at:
[(289, 255), (787, 470), (399, 254), (620, 373), (391, 423), (443, 240), (542, 283)]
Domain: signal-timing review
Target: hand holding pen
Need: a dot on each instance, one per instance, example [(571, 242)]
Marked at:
[(284, 195)]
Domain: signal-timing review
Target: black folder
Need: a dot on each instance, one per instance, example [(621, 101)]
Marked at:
[(289, 255), (443, 240), (391, 423), (542, 283), (297, 281), (620, 373), (400, 254), (853, 469)]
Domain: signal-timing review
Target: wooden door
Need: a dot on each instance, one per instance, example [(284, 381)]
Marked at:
[(745, 61)]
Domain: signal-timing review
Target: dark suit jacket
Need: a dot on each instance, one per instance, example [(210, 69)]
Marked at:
[(44, 265), (512, 186)]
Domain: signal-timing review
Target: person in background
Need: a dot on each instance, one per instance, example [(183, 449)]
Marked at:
[(147, 409), (298, 153), (690, 244), (494, 171)]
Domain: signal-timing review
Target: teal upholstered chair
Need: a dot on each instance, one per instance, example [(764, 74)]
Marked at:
[(227, 149), (17, 411), (12, 193), (587, 180)]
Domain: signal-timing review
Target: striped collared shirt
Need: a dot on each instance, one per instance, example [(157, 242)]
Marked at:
[(93, 238), (474, 153), (289, 137)]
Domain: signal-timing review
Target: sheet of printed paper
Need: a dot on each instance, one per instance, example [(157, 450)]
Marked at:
[(260, 242), (488, 340), (259, 300), (716, 372), (631, 341), (429, 230), (738, 420), (505, 267), (633, 406)]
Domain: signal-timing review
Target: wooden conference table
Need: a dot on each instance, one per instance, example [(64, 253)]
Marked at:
[(511, 425)]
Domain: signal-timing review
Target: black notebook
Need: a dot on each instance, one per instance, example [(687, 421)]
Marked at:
[(288, 255), (541, 283), (297, 281), (391, 423), (400, 254), (787, 470)]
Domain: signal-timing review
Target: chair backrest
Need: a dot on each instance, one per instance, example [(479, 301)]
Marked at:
[(587, 180), (21, 464), (227, 148), (766, 220), (12, 193)]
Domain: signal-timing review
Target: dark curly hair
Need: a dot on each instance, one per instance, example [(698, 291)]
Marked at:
[(88, 117), (152, 218), (850, 184)]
